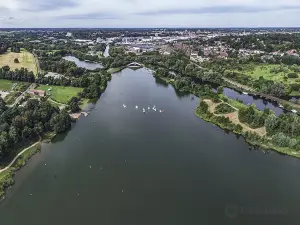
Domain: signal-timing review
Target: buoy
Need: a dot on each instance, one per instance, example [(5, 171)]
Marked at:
[(30, 194), (45, 164), (90, 167), (78, 194), (122, 190)]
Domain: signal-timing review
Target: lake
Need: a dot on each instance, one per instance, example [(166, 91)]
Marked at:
[(121, 166), (83, 64), (260, 103)]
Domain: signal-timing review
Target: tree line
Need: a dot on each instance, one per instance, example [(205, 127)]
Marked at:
[(22, 124)]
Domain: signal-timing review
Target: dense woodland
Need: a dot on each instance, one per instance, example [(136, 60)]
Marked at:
[(22, 124)]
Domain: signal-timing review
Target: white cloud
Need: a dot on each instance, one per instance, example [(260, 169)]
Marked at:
[(149, 13)]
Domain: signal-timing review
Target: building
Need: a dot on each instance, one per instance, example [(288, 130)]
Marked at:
[(292, 52), (183, 47), (37, 92)]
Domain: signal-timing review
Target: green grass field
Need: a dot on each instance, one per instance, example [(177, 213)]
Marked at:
[(6, 85), (257, 71), (59, 93), (26, 60)]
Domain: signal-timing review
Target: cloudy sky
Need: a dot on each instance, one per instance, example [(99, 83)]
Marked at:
[(149, 13)]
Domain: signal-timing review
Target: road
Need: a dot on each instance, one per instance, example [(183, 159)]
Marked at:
[(32, 86), (21, 153)]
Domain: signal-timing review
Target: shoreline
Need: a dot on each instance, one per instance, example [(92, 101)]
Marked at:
[(262, 146), (19, 161)]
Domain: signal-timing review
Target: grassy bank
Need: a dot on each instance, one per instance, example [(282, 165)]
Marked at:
[(6, 177), (114, 70), (266, 144)]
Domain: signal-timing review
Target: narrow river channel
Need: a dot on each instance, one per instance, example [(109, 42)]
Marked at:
[(121, 166)]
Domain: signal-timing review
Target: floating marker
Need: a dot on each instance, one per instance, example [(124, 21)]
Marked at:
[(136, 107)]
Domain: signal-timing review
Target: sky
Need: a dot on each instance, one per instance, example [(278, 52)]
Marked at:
[(148, 13)]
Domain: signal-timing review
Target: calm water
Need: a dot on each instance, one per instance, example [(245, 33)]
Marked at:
[(119, 166), (84, 64), (261, 104), (106, 52)]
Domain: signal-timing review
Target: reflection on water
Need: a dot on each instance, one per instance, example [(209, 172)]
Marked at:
[(261, 104), (161, 82), (120, 166), (83, 64), (61, 137)]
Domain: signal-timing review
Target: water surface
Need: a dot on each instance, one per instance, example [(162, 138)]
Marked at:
[(83, 64), (119, 166)]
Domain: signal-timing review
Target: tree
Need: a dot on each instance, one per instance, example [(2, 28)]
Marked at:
[(60, 122), (16, 60), (220, 89), (73, 104), (203, 107), (271, 124)]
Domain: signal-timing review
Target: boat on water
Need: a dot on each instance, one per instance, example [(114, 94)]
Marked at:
[(154, 108), (124, 105), (294, 111), (245, 93), (144, 110), (148, 108), (280, 106), (136, 107)]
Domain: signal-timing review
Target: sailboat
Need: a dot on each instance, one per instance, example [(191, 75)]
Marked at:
[(144, 110), (124, 105), (154, 108)]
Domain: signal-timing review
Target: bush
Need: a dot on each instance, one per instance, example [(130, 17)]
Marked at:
[(292, 75), (282, 140), (224, 109), (16, 60)]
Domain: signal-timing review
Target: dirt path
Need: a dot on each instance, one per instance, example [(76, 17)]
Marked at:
[(234, 117), (21, 153), (61, 105)]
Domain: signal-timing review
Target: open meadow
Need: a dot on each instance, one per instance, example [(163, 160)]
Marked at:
[(59, 93), (26, 60)]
